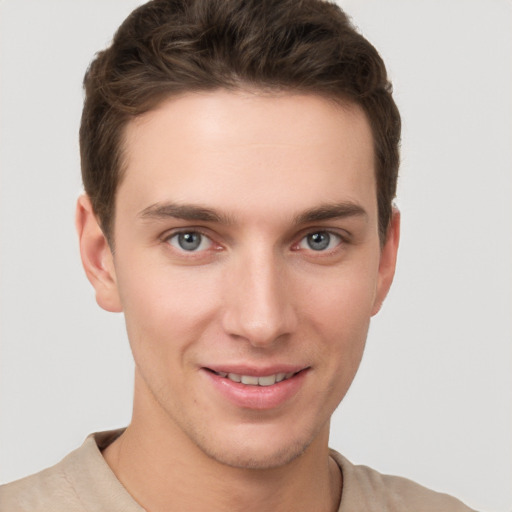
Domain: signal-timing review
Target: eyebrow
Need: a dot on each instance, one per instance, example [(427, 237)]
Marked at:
[(184, 212), (331, 211), (192, 212)]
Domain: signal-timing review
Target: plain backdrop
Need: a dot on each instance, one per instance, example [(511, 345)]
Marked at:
[(432, 400)]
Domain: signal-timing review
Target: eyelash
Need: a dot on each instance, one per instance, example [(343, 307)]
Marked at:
[(167, 238), (330, 235)]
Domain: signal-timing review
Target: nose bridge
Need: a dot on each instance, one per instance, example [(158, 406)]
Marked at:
[(259, 307)]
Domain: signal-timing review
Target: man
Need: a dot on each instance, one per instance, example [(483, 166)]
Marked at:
[(239, 161)]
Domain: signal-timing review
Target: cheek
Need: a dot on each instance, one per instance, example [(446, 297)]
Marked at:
[(165, 311), (343, 300), (344, 328), (339, 312)]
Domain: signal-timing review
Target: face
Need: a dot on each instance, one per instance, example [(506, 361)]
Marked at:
[(248, 264)]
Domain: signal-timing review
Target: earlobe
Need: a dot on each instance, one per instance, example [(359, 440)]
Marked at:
[(387, 262), (96, 255)]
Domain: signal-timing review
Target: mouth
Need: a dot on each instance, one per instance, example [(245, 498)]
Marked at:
[(253, 380), (257, 388)]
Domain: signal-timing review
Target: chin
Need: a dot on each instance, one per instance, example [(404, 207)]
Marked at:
[(256, 449), (253, 458)]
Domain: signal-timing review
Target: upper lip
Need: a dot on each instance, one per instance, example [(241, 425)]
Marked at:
[(254, 371)]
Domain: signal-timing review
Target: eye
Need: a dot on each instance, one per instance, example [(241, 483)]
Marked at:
[(320, 241), (190, 241)]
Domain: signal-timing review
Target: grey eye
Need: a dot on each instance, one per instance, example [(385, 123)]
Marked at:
[(190, 241), (320, 241)]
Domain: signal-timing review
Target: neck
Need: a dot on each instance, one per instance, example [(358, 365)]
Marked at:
[(165, 471)]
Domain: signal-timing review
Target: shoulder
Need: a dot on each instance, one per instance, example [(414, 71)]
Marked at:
[(49, 489), (81, 482), (365, 489)]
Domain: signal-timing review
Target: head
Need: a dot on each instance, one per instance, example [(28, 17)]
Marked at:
[(166, 48), (240, 158)]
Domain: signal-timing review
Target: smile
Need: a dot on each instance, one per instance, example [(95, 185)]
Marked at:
[(257, 389), (251, 380)]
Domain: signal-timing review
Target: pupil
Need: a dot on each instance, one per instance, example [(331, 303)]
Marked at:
[(319, 241), (189, 241)]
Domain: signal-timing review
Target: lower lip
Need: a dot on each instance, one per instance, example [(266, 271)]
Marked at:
[(257, 397)]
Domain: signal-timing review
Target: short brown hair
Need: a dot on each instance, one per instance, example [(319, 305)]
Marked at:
[(168, 47)]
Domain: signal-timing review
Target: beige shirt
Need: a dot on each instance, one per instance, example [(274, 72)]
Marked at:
[(83, 482)]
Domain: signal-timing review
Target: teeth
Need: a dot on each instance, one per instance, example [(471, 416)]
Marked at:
[(251, 380), (246, 379), (267, 381)]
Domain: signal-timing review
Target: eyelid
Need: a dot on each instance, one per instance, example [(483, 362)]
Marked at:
[(183, 229), (343, 236), (168, 235), (204, 242)]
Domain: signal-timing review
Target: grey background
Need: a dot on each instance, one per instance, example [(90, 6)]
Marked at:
[(432, 400)]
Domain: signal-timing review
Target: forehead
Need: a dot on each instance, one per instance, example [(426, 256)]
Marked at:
[(243, 149)]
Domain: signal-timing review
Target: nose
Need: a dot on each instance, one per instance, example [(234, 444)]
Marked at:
[(259, 306)]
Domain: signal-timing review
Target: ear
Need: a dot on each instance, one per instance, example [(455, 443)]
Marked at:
[(387, 262), (97, 258)]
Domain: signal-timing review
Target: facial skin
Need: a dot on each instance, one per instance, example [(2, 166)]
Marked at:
[(246, 240)]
